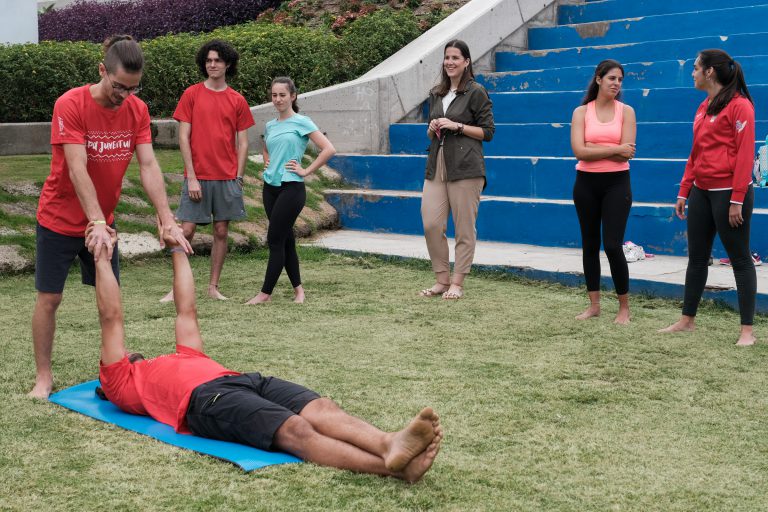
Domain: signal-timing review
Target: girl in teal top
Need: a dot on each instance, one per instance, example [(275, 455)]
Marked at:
[(285, 141)]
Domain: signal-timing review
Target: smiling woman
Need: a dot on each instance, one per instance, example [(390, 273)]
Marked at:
[(460, 119)]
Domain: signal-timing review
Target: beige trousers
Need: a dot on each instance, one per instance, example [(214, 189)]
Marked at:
[(461, 198)]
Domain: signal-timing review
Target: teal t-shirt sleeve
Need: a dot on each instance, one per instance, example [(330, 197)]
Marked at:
[(306, 125)]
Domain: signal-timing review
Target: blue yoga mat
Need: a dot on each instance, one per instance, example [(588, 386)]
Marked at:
[(82, 398)]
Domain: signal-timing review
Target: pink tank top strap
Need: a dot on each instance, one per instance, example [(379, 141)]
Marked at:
[(618, 112)]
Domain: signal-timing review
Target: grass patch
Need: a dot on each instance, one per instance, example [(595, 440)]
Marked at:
[(34, 168), (541, 412), (169, 159)]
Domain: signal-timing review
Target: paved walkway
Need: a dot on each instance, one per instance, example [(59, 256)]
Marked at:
[(660, 275)]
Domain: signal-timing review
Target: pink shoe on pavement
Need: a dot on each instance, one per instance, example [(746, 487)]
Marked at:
[(755, 259)]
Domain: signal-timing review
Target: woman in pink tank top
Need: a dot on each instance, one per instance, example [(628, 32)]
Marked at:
[(603, 140)]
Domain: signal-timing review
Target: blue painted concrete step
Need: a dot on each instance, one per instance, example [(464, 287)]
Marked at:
[(668, 49), (528, 195), (658, 74), (654, 140), (653, 181), (548, 223), (696, 24), (652, 105), (622, 9)]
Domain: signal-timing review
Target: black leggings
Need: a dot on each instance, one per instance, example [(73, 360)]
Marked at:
[(283, 205), (603, 199), (707, 215)]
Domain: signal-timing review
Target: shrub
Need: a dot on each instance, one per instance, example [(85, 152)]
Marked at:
[(94, 21), (266, 51), (371, 39), (35, 75)]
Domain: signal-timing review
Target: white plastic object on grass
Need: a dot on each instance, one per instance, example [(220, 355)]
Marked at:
[(633, 252)]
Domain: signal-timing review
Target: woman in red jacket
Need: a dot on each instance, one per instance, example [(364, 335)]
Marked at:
[(718, 186)]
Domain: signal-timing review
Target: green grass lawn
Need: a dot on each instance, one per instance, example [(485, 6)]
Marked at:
[(35, 168), (541, 412)]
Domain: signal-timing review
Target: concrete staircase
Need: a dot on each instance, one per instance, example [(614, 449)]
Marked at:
[(529, 162)]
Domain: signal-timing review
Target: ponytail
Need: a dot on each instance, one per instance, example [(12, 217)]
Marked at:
[(729, 74)]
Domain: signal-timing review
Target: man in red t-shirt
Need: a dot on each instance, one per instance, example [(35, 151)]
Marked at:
[(96, 129), (213, 119), (192, 393)]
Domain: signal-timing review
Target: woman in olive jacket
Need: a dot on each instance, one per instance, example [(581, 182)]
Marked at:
[(460, 119)]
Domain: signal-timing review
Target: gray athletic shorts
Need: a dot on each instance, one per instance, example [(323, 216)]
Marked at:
[(222, 200)]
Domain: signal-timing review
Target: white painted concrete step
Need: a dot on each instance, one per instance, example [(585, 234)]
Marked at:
[(669, 270)]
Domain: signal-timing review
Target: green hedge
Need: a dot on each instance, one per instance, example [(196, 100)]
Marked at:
[(373, 38), (34, 75)]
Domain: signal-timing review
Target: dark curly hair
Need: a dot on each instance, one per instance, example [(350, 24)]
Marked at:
[(226, 53)]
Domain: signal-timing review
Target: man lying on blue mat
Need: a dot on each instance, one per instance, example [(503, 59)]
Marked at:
[(192, 393)]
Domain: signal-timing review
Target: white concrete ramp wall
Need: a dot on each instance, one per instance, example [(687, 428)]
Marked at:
[(356, 115)]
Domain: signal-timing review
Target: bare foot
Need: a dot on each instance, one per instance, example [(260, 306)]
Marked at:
[(622, 318), (682, 325), (261, 298), (411, 441), (455, 292), (214, 293), (43, 387), (168, 297), (437, 290), (298, 295), (746, 340), (420, 464), (592, 311)]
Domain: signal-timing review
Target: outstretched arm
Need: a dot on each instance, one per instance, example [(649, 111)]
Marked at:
[(110, 311), (154, 186), (187, 328)]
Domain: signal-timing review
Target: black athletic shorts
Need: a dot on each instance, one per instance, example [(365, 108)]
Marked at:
[(246, 408), (54, 256)]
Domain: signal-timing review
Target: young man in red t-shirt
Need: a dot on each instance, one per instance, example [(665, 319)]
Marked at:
[(192, 393), (96, 129), (213, 139)]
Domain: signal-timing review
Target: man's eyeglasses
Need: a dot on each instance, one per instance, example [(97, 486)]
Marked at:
[(120, 88)]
